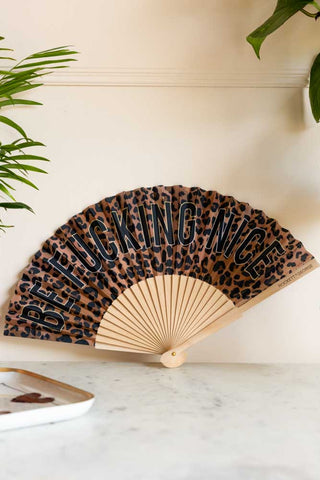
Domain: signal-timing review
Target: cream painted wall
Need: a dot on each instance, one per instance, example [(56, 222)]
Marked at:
[(257, 144)]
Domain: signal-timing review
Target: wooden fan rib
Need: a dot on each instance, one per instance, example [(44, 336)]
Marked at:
[(190, 305), (146, 292), (154, 296), (129, 310), (122, 337), (103, 346), (174, 302), (203, 307), (120, 326), (119, 318), (214, 300), (205, 316), (143, 292), (180, 299), (146, 315), (110, 344), (212, 326), (208, 320), (189, 285), (167, 282), (134, 307), (159, 284), (115, 339), (198, 300), (199, 288)]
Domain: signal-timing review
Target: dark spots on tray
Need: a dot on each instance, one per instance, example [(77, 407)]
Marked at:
[(32, 398)]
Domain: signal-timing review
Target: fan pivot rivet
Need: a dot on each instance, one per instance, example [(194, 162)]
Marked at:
[(173, 354)]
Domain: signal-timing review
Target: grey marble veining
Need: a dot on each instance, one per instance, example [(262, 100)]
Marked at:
[(198, 422)]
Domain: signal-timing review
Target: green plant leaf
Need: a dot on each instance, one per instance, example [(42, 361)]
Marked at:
[(19, 146), (13, 176), (4, 189), (45, 63), (7, 184), (64, 47), (26, 156), (10, 82), (283, 11), (314, 88), (21, 166), (10, 75), (12, 124), (7, 205), (13, 89), (2, 226), (18, 101), (53, 54)]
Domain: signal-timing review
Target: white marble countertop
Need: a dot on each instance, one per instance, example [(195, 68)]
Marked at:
[(197, 422)]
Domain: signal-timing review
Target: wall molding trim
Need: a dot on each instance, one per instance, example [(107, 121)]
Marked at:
[(168, 77)]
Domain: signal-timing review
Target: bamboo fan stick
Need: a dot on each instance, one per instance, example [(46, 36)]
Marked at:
[(175, 357), (109, 326), (125, 315), (182, 294), (159, 284), (103, 346), (199, 302), (143, 298), (154, 295), (205, 318), (133, 306)]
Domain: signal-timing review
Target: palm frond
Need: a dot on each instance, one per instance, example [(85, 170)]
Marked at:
[(23, 76)]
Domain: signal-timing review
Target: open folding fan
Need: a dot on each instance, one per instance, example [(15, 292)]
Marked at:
[(154, 270)]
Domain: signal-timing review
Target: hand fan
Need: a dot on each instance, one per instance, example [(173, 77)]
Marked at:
[(153, 270)]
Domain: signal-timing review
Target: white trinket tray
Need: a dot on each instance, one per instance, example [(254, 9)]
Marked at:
[(42, 399)]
